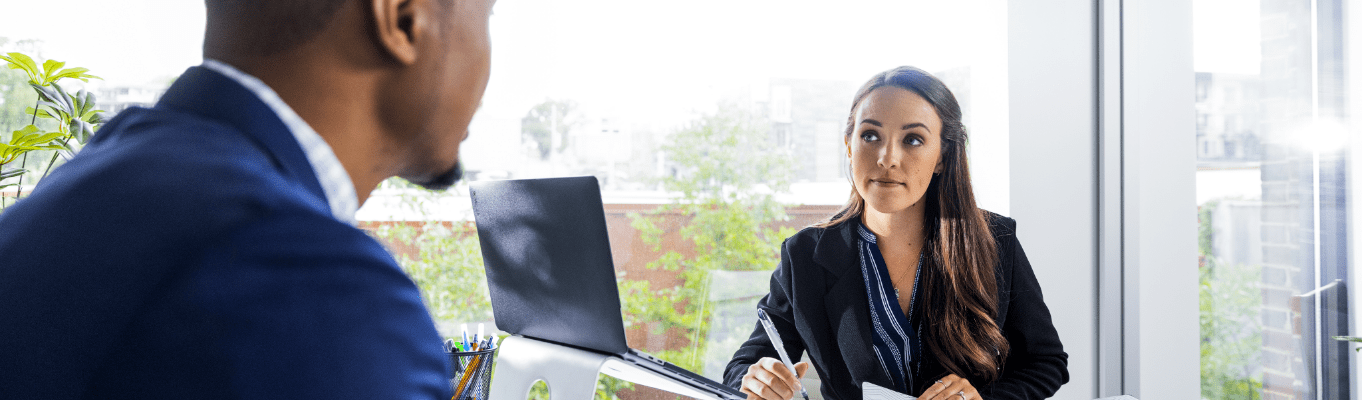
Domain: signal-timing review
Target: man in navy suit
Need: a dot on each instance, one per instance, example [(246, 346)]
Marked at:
[(207, 248)]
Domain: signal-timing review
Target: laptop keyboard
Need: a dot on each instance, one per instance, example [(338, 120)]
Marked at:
[(693, 377)]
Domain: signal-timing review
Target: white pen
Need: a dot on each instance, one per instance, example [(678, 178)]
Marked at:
[(780, 346)]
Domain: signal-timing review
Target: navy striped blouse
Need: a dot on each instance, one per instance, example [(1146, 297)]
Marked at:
[(896, 341)]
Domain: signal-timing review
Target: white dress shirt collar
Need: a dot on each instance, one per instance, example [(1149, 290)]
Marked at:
[(336, 183)]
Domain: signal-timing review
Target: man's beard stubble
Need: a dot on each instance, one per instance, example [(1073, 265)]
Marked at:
[(442, 181)]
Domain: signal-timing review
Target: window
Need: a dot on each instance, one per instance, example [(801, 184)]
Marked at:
[(1274, 205), (163, 38), (747, 100), (646, 96)]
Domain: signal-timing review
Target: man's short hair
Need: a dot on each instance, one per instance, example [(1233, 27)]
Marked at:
[(266, 27)]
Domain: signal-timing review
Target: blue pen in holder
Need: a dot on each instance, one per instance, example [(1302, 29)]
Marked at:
[(472, 373)]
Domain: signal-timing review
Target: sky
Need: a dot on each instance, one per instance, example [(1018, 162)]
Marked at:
[(596, 51), (1226, 36), (650, 63), (601, 52), (141, 41), (130, 42)]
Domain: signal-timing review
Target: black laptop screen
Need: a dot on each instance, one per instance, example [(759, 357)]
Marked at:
[(547, 253)]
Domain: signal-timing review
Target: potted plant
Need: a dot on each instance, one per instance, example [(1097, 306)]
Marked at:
[(75, 116)]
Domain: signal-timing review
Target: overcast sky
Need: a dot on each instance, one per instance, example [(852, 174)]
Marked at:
[(601, 51), (654, 63), (596, 51), (1226, 36)]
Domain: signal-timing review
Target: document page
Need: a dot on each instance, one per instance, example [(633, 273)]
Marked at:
[(872, 391)]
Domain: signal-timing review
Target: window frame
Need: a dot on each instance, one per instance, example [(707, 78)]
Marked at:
[(1115, 239)]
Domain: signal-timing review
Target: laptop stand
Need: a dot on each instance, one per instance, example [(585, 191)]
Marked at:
[(570, 373)]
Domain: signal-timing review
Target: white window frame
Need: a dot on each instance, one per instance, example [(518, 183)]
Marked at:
[(1102, 154)]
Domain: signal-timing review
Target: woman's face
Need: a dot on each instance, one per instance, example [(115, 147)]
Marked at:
[(895, 147)]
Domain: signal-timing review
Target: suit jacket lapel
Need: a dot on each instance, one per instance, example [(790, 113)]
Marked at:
[(847, 305), (211, 95)]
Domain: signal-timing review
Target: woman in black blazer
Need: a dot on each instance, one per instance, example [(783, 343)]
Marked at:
[(910, 286)]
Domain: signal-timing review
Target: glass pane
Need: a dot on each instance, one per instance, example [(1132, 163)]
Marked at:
[(1273, 140), (156, 41), (742, 103)]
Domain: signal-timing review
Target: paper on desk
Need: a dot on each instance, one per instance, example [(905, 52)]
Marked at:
[(871, 391)]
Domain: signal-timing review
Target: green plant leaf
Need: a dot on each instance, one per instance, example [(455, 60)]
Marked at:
[(38, 140), (98, 117), (48, 94), (30, 138), (61, 145), (50, 69), (10, 173), (21, 61), (82, 130), (40, 113), (1340, 338), (22, 132), (84, 102), (75, 73), (9, 153), (53, 111), (64, 98), (58, 102)]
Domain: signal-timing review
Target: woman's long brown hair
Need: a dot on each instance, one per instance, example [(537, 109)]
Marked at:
[(959, 289)]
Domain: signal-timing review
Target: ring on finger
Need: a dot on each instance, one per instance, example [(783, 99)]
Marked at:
[(962, 394)]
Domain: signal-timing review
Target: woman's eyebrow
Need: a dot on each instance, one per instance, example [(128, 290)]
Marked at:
[(916, 125), (905, 127)]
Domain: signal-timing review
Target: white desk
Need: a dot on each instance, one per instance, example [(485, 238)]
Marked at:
[(570, 373)]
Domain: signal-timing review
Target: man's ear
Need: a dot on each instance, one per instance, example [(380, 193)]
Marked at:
[(400, 25)]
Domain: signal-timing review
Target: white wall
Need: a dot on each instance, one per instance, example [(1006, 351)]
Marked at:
[(1051, 80)]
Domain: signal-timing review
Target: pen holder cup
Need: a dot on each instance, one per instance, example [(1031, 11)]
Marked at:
[(472, 373)]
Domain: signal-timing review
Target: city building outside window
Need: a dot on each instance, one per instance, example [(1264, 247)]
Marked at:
[(715, 128), (1274, 184)]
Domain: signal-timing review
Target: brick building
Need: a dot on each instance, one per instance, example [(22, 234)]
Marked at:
[(1301, 85)]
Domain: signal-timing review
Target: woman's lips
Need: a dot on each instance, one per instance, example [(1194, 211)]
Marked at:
[(885, 182)]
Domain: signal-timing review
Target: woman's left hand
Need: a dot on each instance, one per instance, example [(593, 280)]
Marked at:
[(950, 387)]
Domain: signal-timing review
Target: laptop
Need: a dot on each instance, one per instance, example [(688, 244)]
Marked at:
[(550, 272)]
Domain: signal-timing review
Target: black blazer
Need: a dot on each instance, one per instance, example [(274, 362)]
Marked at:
[(818, 292)]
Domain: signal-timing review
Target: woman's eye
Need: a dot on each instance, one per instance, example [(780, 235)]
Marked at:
[(870, 136), (913, 141)]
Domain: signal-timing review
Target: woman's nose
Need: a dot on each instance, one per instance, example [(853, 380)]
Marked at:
[(890, 155)]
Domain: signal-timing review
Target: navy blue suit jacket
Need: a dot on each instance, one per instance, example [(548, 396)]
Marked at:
[(189, 252)]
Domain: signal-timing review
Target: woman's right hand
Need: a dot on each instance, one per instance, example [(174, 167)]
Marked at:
[(769, 379)]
